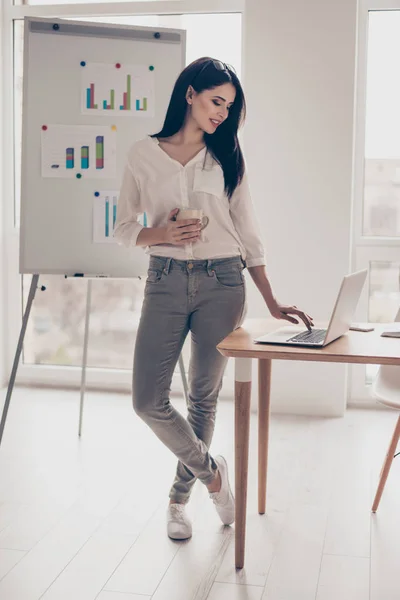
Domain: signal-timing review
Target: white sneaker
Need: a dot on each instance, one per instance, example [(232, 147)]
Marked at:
[(223, 500), (179, 526)]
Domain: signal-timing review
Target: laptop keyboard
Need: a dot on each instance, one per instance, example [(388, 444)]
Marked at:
[(314, 336)]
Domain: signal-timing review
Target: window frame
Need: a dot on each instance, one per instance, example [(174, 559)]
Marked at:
[(364, 248), (116, 379)]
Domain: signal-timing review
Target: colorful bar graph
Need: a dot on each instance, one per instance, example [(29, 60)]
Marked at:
[(99, 152), (128, 92), (126, 96), (84, 157), (144, 103), (107, 219), (90, 97), (114, 211), (111, 95), (70, 158)]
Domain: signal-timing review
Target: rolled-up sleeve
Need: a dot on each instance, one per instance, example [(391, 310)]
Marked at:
[(127, 227), (245, 222)]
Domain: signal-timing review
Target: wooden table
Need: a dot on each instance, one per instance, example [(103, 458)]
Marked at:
[(354, 347)]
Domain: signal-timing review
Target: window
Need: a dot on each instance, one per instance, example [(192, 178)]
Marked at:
[(377, 180), (382, 127), (384, 291), (56, 326)]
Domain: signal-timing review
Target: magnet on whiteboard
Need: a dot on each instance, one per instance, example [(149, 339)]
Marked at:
[(83, 63), (44, 127), (97, 194), (118, 66), (113, 128), (157, 35), (151, 68), (56, 27), (78, 175)]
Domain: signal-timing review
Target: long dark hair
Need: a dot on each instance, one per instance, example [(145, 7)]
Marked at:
[(205, 74)]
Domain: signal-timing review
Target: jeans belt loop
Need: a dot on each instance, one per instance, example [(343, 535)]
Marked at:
[(167, 266), (210, 270)]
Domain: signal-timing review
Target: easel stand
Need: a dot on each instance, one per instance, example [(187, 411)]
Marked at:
[(31, 296)]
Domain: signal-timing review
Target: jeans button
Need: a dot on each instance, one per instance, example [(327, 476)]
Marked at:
[(190, 266)]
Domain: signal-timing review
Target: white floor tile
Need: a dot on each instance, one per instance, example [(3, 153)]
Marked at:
[(119, 596), (229, 591), (8, 560)]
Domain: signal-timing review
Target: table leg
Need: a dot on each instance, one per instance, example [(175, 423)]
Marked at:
[(264, 392), (242, 428)]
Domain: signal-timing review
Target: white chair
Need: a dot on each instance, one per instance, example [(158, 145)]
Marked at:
[(386, 388)]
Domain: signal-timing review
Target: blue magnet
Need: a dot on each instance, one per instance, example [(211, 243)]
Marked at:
[(97, 194), (83, 63)]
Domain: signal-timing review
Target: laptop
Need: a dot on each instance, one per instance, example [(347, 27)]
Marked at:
[(339, 324)]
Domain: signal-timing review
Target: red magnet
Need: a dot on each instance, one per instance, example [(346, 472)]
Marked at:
[(44, 127), (118, 65)]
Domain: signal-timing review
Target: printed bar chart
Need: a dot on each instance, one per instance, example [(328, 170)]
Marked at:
[(144, 104), (107, 219), (78, 150), (104, 216), (90, 97), (128, 92), (125, 90), (126, 104), (114, 210), (70, 158), (99, 152), (126, 96), (84, 157)]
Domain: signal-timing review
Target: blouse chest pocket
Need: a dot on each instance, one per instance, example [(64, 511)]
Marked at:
[(209, 181)]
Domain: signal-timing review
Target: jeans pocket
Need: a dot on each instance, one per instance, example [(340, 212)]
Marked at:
[(153, 275), (230, 278)]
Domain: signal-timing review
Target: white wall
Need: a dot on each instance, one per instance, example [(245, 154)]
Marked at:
[(299, 78)]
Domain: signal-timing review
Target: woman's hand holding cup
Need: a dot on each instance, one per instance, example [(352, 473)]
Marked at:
[(183, 231)]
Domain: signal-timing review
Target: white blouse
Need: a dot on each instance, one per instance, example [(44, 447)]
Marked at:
[(154, 183)]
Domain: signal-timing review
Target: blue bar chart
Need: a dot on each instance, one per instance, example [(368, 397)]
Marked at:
[(104, 216)]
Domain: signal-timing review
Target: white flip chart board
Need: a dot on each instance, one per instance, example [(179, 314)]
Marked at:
[(90, 91)]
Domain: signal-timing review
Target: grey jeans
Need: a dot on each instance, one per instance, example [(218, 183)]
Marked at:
[(207, 298)]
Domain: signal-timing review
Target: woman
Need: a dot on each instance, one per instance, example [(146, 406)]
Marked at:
[(195, 280)]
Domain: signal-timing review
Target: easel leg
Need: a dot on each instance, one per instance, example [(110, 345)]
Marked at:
[(31, 296), (85, 347), (183, 375)]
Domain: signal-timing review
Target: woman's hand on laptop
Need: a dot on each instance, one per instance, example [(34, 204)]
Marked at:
[(277, 310), (283, 311)]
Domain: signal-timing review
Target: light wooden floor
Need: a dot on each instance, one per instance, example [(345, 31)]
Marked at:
[(84, 519)]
